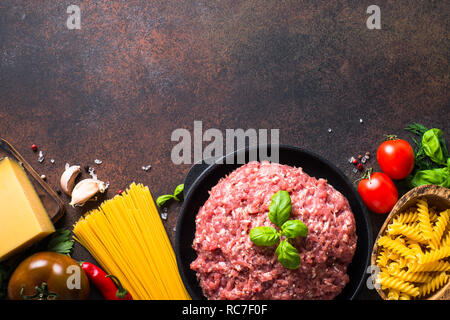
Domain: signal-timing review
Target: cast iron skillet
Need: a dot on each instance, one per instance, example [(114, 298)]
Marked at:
[(202, 178)]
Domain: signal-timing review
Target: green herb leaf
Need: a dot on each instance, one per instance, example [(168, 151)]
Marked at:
[(432, 146), (294, 228), (60, 241), (161, 200), (264, 236), (178, 191), (177, 194), (288, 255), (438, 176), (444, 147), (280, 208), (63, 247), (416, 128)]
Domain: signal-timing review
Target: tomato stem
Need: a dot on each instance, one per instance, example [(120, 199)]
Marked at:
[(42, 293), (388, 137), (367, 174)]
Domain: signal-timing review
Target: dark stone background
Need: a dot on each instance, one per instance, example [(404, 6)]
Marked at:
[(137, 70)]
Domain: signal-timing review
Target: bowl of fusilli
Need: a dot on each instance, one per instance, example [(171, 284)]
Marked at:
[(411, 255)]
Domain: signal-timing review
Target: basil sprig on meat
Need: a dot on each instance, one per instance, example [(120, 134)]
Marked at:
[(280, 208), (264, 236), (294, 228), (279, 211), (287, 255)]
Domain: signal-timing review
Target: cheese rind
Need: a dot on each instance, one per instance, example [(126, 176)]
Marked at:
[(23, 218)]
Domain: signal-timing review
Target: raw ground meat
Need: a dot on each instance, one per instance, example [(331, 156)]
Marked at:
[(230, 266)]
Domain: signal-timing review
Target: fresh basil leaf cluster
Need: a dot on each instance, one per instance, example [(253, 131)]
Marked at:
[(438, 176), (279, 211), (161, 200), (432, 162)]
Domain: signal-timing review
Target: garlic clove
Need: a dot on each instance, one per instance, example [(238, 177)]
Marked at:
[(68, 177), (85, 190)]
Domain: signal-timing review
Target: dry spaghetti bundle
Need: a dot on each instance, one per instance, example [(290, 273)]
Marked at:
[(127, 238)]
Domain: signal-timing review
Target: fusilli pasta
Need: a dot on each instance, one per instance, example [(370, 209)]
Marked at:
[(434, 284), (414, 252), (388, 282)]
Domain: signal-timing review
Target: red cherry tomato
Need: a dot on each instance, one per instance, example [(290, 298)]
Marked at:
[(396, 158), (378, 192)]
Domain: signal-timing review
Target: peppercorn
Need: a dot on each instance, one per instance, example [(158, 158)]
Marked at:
[(34, 147), (360, 166), (119, 192)]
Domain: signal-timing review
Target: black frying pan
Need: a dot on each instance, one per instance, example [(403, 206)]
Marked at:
[(202, 178)]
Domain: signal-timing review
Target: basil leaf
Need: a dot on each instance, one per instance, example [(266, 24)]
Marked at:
[(280, 208), (288, 255), (444, 147), (63, 247), (432, 146), (264, 236), (161, 200), (439, 176), (60, 242), (294, 228), (178, 191)]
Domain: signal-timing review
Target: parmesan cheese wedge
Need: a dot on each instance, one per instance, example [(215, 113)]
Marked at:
[(23, 218)]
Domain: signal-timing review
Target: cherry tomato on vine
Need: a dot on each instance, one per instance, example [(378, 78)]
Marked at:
[(396, 158), (378, 192)]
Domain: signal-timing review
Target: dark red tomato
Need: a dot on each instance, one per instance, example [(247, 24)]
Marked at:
[(396, 158), (378, 192), (48, 275)]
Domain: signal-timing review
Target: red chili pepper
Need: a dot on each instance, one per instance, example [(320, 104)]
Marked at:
[(108, 284)]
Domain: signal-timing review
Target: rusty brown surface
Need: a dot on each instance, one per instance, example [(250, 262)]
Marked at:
[(137, 70)]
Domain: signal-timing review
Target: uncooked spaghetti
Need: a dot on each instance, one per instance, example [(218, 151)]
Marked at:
[(127, 238)]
